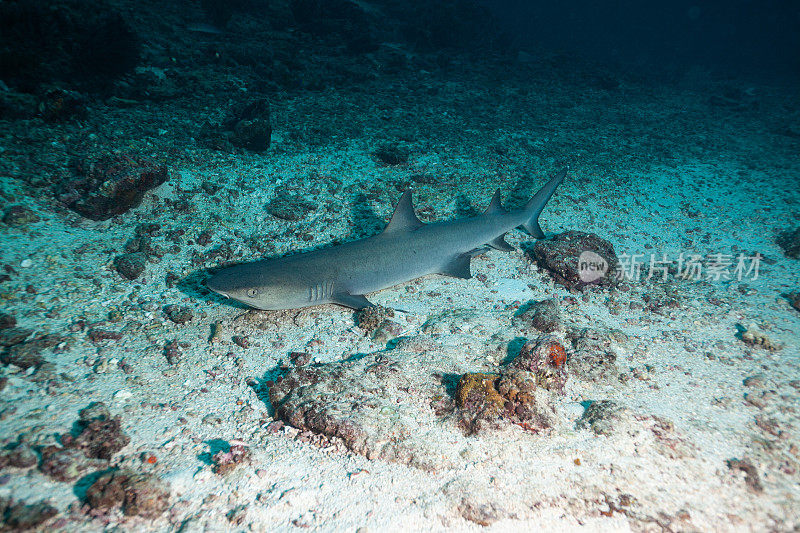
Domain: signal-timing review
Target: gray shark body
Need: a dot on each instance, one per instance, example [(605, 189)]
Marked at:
[(407, 249)]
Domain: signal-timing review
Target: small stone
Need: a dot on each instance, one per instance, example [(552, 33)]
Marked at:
[(132, 265)]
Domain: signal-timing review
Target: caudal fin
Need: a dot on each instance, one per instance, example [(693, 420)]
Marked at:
[(536, 204)]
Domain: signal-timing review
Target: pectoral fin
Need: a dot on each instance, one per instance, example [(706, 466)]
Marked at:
[(500, 243), (353, 301), (458, 267)]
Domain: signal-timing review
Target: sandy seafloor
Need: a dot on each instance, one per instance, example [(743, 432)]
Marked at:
[(653, 170)]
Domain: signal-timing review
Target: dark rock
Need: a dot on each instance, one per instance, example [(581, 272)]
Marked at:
[(292, 207), (22, 517), (21, 456), (790, 242), (100, 438), (542, 316), (132, 265), (139, 494), (392, 154), (7, 321), (178, 314), (28, 354), (61, 105), (111, 185), (563, 255), (794, 299), (251, 126), (19, 215), (10, 336), (25, 355)]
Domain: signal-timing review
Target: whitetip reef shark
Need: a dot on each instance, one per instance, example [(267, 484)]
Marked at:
[(406, 249)]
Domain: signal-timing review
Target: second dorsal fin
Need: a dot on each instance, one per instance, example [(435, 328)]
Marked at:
[(495, 207), (404, 218)]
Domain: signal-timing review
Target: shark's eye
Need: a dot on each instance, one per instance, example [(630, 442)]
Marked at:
[(252, 293)]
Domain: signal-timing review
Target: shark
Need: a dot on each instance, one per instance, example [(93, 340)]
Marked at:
[(405, 250)]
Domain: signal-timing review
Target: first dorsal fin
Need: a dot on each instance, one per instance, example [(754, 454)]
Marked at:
[(404, 218), (495, 207)]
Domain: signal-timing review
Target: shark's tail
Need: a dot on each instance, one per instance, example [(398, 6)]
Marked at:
[(536, 204)]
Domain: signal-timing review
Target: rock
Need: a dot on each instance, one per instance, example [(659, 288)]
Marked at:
[(576, 259), (7, 321), (18, 216), (178, 314), (288, 206), (111, 185), (370, 318), (522, 394), (594, 354), (139, 494), (14, 105), (10, 336), (604, 417), (392, 154), (95, 411), (251, 126), (794, 299), (789, 241), (227, 461), (21, 456), (132, 265), (66, 464), (22, 517), (61, 105), (542, 316), (100, 438), (753, 336), (751, 477)]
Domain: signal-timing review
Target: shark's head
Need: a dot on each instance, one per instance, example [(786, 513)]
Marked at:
[(256, 286)]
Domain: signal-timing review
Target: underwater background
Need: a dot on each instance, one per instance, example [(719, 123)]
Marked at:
[(637, 369)]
